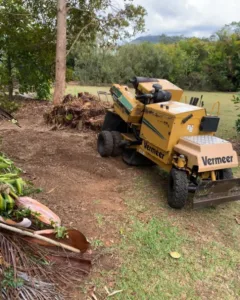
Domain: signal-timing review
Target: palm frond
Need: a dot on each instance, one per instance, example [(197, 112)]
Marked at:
[(44, 273)]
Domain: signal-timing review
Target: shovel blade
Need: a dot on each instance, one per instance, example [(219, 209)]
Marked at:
[(216, 192)]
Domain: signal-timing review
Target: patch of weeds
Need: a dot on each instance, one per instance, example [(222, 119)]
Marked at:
[(97, 243), (135, 205), (100, 219), (236, 172), (10, 281), (22, 213), (29, 189), (97, 201), (9, 105), (60, 231)]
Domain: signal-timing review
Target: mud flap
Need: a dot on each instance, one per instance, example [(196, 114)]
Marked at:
[(215, 192)]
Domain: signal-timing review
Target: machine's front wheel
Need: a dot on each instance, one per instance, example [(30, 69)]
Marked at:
[(177, 188), (105, 143)]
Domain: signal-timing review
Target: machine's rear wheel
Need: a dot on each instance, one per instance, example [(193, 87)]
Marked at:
[(105, 143), (177, 189), (117, 138), (225, 174)]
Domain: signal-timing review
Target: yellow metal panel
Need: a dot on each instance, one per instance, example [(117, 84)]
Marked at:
[(157, 127), (163, 128), (119, 110), (125, 104), (207, 152), (174, 108), (153, 154)]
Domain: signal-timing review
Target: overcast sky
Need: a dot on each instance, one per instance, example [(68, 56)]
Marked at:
[(189, 17)]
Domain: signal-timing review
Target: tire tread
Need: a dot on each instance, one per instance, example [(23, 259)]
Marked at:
[(117, 138), (177, 196), (106, 149)]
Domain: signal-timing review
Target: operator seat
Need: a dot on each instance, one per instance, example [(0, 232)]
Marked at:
[(159, 95)]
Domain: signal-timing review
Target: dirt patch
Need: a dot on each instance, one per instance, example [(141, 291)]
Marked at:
[(79, 185)]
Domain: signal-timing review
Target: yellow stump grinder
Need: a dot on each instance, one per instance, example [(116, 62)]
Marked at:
[(154, 127)]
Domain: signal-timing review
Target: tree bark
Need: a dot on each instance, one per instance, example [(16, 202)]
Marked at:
[(60, 73), (10, 79)]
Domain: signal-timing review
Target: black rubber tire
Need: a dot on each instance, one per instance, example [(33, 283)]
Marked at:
[(113, 122), (105, 143), (177, 188), (117, 138), (225, 174)]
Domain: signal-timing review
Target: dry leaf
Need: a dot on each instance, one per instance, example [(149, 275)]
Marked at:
[(113, 293), (175, 255)]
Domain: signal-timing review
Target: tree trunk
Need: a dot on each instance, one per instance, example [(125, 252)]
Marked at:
[(60, 75), (10, 79)]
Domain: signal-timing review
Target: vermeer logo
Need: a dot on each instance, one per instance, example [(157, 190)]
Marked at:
[(153, 150), (217, 160)]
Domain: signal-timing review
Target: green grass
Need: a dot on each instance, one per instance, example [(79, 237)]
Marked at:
[(75, 89), (207, 239), (148, 271), (228, 113)]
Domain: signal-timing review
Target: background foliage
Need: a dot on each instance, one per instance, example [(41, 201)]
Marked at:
[(192, 63), (95, 30), (28, 36)]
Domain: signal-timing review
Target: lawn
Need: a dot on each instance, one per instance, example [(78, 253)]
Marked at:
[(206, 239)]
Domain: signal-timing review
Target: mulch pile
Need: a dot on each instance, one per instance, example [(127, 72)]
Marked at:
[(84, 111)]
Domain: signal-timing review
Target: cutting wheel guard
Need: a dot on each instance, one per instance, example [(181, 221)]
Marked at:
[(215, 192)]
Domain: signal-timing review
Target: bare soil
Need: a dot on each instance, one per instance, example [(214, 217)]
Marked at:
[(80, 186)]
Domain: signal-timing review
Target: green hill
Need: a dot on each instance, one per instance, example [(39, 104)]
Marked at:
[(165, 39)]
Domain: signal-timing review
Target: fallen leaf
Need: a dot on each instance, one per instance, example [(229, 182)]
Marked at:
[(175, 255), (113, 293), (238, 221)]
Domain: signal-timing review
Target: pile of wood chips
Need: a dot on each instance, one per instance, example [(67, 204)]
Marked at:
[(84, 111)]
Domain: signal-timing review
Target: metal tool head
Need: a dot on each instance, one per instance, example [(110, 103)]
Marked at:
[(211, 193)]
